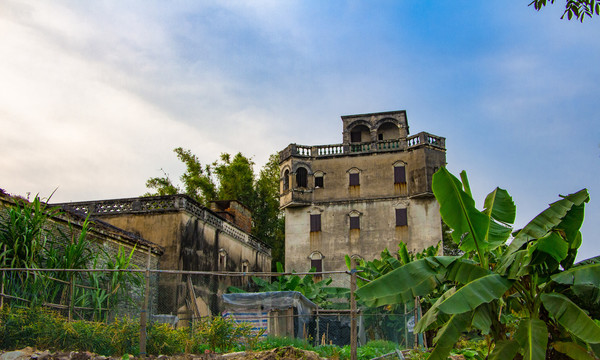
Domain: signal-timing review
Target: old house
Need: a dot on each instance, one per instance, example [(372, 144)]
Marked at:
[(194, 238), (356, 198)]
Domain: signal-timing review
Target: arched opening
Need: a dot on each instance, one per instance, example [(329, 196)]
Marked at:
[(286, 180), (316, 261), (388, 131), (360, 134), (301, 177)]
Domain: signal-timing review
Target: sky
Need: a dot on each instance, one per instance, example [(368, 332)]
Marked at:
[(94, 96)]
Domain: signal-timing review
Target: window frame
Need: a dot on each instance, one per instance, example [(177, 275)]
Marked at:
[(401, 217), (399, 174), (315, 223)]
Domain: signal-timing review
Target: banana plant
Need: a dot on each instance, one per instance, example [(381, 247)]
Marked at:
[(530, 274)]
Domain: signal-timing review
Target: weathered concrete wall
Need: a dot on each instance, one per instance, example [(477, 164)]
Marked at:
[(377, 231), (194, 238)]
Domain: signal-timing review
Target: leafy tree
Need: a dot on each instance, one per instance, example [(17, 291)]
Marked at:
[(577, 8), (197, 180), (236, 179), (233, 178), (531, 277), (269, 222)]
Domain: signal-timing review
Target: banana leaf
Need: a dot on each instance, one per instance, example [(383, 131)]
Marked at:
[(458, 211), (448, 335), (571, 317), (417, 278), (572, 350), (475, 293), (532, 336)]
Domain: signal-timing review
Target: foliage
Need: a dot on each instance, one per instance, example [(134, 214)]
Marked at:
[(30, 239), (316, 291), (529, 277), (573, 8), (46, 329), (233, 178), (222, 334)]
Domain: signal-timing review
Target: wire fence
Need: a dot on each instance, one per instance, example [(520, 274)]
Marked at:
[(180, 298)]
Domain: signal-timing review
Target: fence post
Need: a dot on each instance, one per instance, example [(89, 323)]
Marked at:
[(71, 297), (144, 312), (353, 327), (3, 279)]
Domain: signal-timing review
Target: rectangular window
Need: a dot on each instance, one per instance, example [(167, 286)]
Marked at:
[(355, 136), (401, 217), (354, 179), (399, 175), (315, 222), (318, 265), (354, 222), (319, 181)]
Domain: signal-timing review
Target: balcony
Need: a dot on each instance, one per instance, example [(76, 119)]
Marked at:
[(421, 139)]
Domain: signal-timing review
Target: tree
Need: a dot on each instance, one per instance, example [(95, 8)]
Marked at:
[(269, 222), (233, 178), (236, 179), (531, 277), (577, 8), (197, 180)]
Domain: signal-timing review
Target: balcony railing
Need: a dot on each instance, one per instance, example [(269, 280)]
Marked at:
[(411, 142)]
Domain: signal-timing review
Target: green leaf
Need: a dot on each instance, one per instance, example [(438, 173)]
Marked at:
[(572, 350), (547, 219), (458, 211), (448, 335), (475, 293), (403, 253), (532, 335), (463, 271), (465, 181), (433, 317), (499, 206), (580, 275), (417, 278), (554, 245), (482, 319), (571, 317), (504, 349)]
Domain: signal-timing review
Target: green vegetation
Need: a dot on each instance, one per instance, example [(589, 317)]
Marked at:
[(529, 283), (316, 291), (30, 240), (45, 329), (233, 178), (580, 9)]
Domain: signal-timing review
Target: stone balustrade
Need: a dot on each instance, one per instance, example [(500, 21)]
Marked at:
[(161, 204), (411, 142)]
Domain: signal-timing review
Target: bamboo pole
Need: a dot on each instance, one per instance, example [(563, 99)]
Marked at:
[(144, 312), (353, 327)]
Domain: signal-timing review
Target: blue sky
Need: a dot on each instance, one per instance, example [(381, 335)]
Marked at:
[(95, 95)]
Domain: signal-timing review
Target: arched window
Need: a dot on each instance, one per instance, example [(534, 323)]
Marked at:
[(286, 180), (301, 177), (316, 261), (222, 259), (388, 131), (359, 134)]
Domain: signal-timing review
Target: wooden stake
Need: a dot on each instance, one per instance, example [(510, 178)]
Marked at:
[(144, 312)]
